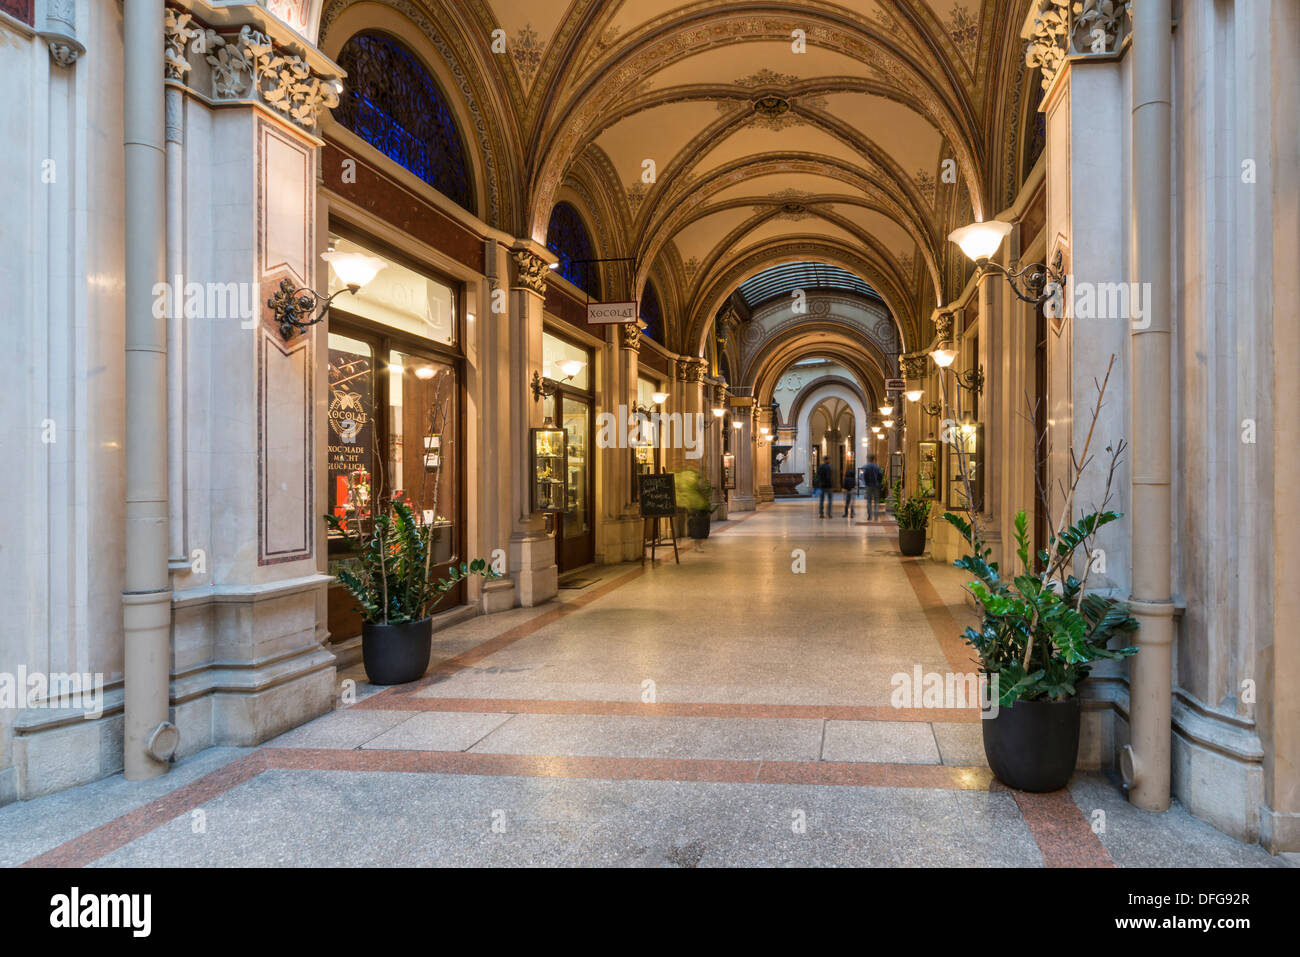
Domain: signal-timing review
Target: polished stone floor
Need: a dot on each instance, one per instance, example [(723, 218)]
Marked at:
[(732, 710)]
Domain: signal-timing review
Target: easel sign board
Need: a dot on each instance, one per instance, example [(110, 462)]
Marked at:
[(658, 495)]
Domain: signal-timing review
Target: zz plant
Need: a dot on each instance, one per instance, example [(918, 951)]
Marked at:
[(1040, 634), (1041, 630), (393, 582), (912, 512)]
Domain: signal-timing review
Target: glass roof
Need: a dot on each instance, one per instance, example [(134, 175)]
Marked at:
[(780, 280)]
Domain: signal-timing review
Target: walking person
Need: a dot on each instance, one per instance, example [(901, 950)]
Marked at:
[(873, 476), (825, 493), (850, 491)]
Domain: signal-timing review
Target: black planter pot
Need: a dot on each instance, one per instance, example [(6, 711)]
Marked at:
[(1033, 745), (697, 524), (396, 654), (911, 541)]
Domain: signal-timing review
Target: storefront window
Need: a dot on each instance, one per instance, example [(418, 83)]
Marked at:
[(645, 452), (422, 443), (555, 353), (351, 415), (401, 298)]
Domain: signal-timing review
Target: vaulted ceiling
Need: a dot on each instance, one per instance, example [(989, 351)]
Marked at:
[(712, 140)]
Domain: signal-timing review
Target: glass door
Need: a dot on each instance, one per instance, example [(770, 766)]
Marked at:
[(576, 538)]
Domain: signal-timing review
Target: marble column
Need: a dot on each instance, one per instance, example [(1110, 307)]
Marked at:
[(532, 550)]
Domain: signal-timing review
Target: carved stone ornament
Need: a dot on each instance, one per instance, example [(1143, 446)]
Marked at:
[(630, 334), (530, 271), (691, 370), (913, 365), (943, 326), (248, 65), (1046, 37), (1098, 26), (65, 50)]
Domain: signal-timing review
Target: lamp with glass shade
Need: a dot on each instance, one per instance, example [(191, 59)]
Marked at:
[(1034, 283), (295, 307)]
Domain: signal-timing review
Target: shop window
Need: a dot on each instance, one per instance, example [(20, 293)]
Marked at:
[(401, 298), (558, 355), (567, 237), (394, 417), (392, 102)]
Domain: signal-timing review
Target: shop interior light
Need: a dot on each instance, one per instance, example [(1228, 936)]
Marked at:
[(425, 372)]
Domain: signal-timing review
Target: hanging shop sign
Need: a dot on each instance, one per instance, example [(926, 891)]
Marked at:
[(611, 313), (895, 385)]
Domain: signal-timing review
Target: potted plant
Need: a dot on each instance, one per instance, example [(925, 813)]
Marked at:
[(394, 586), (695, 494), (912, 514), (1040, 632)]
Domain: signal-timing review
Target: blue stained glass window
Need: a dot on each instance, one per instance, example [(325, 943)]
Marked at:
[(390, 100), (650, 314), (567, 237)]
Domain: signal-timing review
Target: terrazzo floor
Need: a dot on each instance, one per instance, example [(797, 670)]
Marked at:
[(731, 710)]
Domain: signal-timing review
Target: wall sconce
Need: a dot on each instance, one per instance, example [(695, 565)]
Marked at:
[(737, 424), (943, 354), (888, 423), (887, 407), (296, 308), (658, 398), (543, 387), (979, 241), (914, 395), (933, 408), (972, 380)]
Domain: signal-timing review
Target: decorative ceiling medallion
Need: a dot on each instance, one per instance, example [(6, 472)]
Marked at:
[(771, 106)]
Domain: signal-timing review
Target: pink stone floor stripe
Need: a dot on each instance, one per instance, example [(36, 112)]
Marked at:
[(1061, 830), (120, 831), (666, 709)]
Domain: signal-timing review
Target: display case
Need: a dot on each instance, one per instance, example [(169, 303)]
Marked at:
[(643, 463), (965, 448), (927, 469), (728, 470), (550, 469)]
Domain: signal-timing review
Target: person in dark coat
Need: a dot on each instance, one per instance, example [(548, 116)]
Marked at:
[(823, 482), (873, 477), (850, 493)]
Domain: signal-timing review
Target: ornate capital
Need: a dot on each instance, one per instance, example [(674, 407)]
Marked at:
[(690, 370), (720, 395), (65, 50), (530, 271), (1045, 34), (943, 326), (248, 65), (630, 336), (914, 365), (1055, 30)]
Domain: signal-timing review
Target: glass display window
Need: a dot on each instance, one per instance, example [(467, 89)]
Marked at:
[(400, 297), (556, 352)]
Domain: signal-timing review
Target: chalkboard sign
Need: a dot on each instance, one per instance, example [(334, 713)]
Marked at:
[(658, 495)]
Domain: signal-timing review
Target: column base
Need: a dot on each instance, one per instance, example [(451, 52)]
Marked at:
[(743, 503), (536, 576), (498, 595)]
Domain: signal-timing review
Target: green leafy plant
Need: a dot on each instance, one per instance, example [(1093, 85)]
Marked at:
[(694, 491), (912, 512), (393, 581), (1040, 629)]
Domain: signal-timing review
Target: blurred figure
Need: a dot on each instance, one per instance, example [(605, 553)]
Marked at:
[(873, 476), (825, 492)]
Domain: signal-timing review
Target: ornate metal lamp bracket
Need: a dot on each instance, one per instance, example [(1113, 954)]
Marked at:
[(1031, 282), (291, 304)]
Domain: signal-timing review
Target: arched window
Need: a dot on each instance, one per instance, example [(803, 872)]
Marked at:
[(390, 101), (567, 237), (650, 314)]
